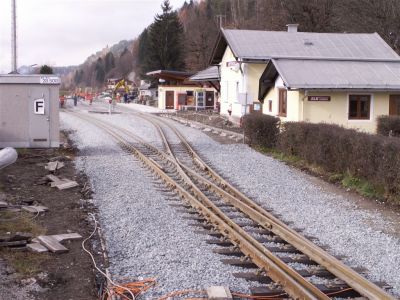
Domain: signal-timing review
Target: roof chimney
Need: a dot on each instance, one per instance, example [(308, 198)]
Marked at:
[(292, 27)]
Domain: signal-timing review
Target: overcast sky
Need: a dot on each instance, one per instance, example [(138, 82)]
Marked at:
[(66, 32)]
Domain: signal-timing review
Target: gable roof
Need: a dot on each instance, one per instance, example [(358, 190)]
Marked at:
[(327, 74), (209, 74), (170, 74), (255, 45)]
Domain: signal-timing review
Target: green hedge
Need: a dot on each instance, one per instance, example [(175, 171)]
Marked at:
[(261, 130), (339, 150), (389, 126)]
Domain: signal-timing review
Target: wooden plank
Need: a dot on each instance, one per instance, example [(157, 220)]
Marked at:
[(53, 178), (51, 166), (56, 183), (223, 243), (67, 185), (35, 209), (13, 244), (37, 247), (54, 165), (266, 291), (52, 244), (66, 236), (219, 293), (253, 277), (239, 263), (228, 252)]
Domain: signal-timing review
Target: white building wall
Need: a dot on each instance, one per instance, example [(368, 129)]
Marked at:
[(236, 79)]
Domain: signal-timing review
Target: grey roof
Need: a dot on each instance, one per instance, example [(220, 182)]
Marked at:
[(327, 74), (209, 74), (256, 45)]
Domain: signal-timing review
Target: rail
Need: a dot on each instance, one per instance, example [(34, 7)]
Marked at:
[(293, 283)]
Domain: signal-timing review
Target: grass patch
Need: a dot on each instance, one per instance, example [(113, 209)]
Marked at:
[(335, 178), (19, 222), (362, 186), (25, 263), (22, 151)]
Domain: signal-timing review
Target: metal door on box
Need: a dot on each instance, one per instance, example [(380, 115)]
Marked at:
[(39, 117)]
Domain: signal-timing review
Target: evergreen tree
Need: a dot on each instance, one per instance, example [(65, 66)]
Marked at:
[(45, 69), (165, 46), (100, 74), (109, 62), (143, 47)]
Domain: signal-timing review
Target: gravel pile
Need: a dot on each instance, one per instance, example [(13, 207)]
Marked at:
[(145, 236), (366, 238)]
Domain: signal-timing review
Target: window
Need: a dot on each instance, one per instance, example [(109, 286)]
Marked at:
[(200, 98), (282, 102), (270, 105), (359, 107)]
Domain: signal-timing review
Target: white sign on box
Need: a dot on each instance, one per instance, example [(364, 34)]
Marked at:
[(50, 80), (38, 107)]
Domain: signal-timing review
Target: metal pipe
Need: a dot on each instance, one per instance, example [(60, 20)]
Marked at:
[(8, 156)]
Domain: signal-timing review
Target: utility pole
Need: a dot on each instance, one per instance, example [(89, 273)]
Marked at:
[(13, 37), (220, 20)]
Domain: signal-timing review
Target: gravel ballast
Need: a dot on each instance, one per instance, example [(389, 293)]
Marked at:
[(366, 238), (145, 236)]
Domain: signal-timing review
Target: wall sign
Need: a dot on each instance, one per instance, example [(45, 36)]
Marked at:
[(319, 98), (38, 107), (231, 63), (49, 80)]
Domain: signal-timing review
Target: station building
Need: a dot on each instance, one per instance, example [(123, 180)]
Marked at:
[(339, 78), (177, 91)]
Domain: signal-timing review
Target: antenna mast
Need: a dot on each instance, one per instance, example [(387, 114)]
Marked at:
[(13, 37)]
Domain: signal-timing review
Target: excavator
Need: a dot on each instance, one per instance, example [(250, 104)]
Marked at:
[(121, 84)]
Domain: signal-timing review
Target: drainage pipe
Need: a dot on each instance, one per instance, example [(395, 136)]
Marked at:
[(8, 156)]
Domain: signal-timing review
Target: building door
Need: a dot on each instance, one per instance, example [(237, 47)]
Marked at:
[(169, 99), (39, 117), (394, 105), (210, 99)]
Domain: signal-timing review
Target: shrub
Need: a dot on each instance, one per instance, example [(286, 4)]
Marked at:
[(261, 130), (389, 125), (338, 150)]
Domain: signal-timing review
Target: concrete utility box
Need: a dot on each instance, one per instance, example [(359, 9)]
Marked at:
[(29, 111)]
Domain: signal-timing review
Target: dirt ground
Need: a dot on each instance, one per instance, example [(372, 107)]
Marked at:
[(48, 276)]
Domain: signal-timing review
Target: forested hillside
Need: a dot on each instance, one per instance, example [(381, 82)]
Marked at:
[(193, 29)]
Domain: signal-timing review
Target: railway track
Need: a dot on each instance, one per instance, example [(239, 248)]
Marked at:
[(290, 266)]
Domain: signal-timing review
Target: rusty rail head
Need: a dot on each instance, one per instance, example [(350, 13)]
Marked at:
[(332, 264), (296, 286)]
